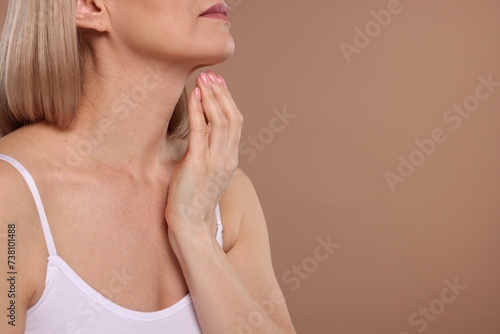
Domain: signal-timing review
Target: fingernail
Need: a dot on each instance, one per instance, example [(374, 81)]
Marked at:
[(205, 80), (222, 80), (197, 93), (213, 78)]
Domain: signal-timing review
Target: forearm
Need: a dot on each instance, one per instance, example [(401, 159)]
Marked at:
[(221, 300)]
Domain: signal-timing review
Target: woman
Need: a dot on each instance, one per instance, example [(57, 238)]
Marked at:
[(102, 176)]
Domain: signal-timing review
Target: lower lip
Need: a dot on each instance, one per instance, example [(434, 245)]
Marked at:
[(217, 16)]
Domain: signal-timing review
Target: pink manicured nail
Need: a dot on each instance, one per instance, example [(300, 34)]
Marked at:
[(222, 80), (213, 78), (197, 93), (205, 80)]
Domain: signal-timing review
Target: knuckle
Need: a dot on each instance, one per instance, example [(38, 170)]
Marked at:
[(238, 119), (222, 123)]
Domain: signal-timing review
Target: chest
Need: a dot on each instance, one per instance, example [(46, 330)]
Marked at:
[(117, 237)]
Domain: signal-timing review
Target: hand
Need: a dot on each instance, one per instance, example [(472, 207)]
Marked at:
[(199, 180)]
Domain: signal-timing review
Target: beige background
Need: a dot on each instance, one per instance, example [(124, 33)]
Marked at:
[(322, 174)]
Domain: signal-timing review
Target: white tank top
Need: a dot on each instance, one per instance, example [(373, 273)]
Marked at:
[(69, 305)]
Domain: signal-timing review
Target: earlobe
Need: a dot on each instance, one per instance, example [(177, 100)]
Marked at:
[(92, 15)]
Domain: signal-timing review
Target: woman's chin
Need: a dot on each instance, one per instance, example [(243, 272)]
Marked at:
[(214, 57), (227, 53)]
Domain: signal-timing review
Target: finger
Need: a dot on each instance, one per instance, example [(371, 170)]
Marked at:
[(198, 136), (233, 115), (217, 122)]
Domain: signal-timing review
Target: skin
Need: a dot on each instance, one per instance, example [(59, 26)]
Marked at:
[(135, 202)]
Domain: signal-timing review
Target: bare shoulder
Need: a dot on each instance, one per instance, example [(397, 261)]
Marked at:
[(25, 141), (20, 231), (17, 244)]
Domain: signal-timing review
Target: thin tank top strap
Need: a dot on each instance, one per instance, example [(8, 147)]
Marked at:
[(220, 227), (38, 201)]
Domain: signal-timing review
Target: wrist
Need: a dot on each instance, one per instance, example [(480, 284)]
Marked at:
[(188, 240)]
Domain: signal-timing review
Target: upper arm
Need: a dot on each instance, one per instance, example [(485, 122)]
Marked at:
[(251, 253), (15, 287)]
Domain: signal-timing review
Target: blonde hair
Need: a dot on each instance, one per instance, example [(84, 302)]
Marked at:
[(42, 54)]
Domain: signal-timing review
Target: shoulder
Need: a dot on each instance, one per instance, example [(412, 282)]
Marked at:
[(18, 147), (22, 145), (14, 193), (21, 246), (239, 200), (18, 212)]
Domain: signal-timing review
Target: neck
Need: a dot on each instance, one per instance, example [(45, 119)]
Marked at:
[(125, 116)]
